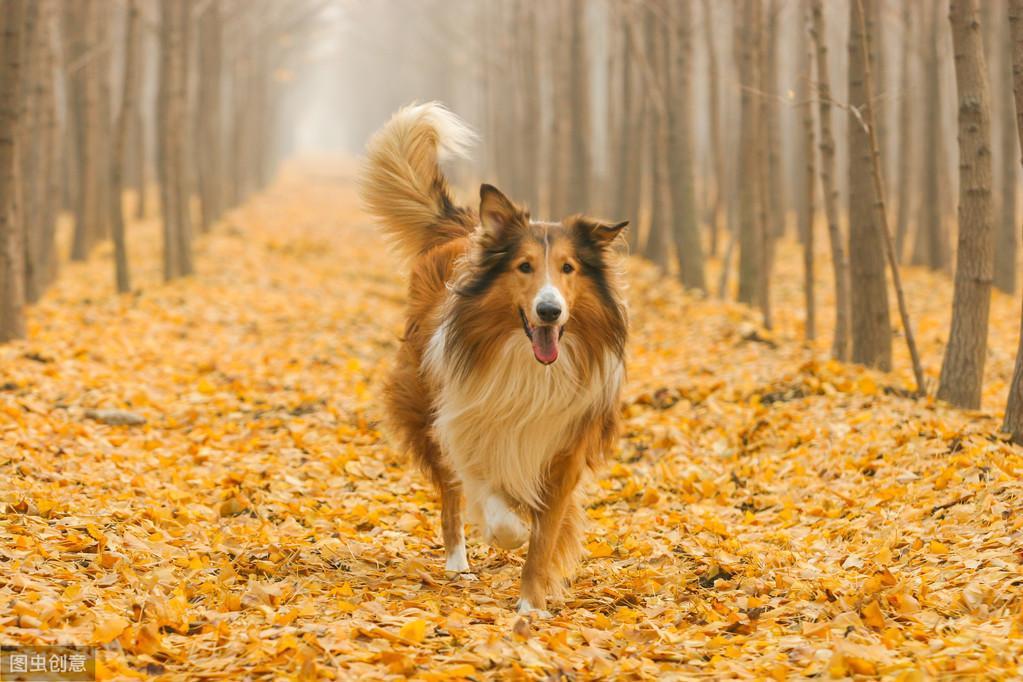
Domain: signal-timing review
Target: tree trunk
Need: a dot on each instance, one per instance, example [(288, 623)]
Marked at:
[(766, 120), (209, 131), (829, 191), (119, 160), (179, 130), (50, 185), (716, 147), (686, 232), (931, 246), (750, 260), (657, 247), (774, 190), (871, 326), (1013, 422), (579, 108), (907, 135), (12, 294), (1008, 228), (810, 179), (636, 110), (78, 20), (30, 149), (962, 371)]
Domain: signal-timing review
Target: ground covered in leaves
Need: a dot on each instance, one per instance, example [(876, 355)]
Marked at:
[(769, 514)]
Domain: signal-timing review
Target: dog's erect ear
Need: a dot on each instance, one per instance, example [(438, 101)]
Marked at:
[(603, 233), (497, 212)]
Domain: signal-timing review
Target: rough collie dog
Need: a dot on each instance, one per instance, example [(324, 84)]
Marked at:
[(507, 381)]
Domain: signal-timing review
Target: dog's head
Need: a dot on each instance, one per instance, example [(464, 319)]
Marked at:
[(547, 277)]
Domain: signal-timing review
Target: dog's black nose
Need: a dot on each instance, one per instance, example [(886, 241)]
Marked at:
[(548, 312)]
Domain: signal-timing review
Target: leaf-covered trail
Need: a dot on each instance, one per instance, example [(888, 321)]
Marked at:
[(768, 513)]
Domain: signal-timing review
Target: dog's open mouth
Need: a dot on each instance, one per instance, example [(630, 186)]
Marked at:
[(544, 338)]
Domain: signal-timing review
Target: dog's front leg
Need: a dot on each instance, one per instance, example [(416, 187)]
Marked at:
[(541, 571)]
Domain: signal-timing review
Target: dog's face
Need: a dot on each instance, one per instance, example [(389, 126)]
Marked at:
[(544, 276)]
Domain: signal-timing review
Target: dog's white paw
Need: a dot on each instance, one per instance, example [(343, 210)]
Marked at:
[(502, 527), (526, 609), (457, 563)]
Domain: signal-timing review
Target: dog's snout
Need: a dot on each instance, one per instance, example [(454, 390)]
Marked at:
[(548, 312)]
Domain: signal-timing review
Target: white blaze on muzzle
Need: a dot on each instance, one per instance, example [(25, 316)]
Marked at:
[(550, 295)]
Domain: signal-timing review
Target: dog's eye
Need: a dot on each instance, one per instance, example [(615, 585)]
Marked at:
[(526, 268), (567, 268)]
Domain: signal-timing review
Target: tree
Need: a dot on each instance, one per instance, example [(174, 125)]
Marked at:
[(963, 367), (719, 206), (633, 102), (125, 118), (807, 207), (931, 247), (1007, 238), (1013, 422), (177, 229), (209, 109), (688, 248), (829, 190), (962, 370), (656, 247), (12, 295), (907, 134), (747, 28), (579, 110), (871, 326)]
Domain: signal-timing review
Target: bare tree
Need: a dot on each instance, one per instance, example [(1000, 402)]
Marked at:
[(1007, 238), (125, 118), (907, 134), (829, 190), (807, 208), (962, 371), (12, 295), (747, 29), (657, 243), (719, 206), (1013, 422), (688, 248), (931, 245), (208, 136), (871, 326)]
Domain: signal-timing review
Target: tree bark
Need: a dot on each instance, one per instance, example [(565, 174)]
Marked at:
[(1008, 227), (750, 258), (209, 130), (12, 294), (716, 148), (808, 207), (686, 232), (125, 117), (931, 246), (657, 247), (907, 135), (871, 325), (1013, 422), (579, 107), (962, 371), (829, 191)]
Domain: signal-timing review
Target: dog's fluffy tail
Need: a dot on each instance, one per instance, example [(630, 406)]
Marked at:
[(402, 184)]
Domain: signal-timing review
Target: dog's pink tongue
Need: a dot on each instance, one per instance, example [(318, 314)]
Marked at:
[(545, 344)]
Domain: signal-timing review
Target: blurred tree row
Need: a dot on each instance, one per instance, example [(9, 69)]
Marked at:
[(718, 127), (102, 96)]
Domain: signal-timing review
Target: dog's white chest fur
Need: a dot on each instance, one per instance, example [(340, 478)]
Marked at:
[(500, 428)]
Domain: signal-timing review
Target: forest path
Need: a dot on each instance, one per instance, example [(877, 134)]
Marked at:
[(768, 513)]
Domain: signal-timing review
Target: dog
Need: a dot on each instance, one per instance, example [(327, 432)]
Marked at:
[(507, 382)]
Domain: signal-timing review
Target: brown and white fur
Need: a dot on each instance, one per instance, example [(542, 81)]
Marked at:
[(507, 382)]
